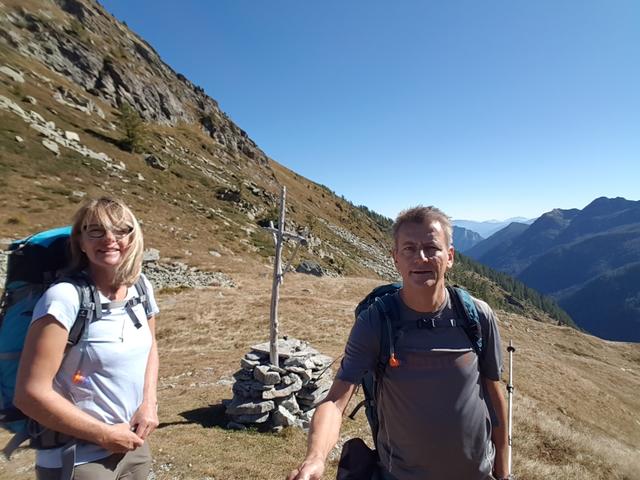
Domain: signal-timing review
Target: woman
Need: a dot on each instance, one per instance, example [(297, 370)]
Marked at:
[(103, 390)]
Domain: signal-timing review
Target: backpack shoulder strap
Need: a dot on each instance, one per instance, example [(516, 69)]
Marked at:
[(371, 381), (142, 297), (387, 307), (89, 301), (143, 294), (466, 309)]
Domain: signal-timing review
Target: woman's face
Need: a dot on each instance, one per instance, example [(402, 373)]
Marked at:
[(105, 247)]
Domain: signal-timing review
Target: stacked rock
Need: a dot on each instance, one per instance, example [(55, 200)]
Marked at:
[(283, 396)]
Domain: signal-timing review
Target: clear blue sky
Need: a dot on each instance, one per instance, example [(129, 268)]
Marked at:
[(487, 109)]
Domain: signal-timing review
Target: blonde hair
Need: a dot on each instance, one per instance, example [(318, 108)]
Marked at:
[(421, 214), (109, 213)]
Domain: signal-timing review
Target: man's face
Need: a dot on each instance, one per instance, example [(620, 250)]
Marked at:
[(421, 254)]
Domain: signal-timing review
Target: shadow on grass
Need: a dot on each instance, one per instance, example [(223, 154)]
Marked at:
[(104, 138), (211, 416)]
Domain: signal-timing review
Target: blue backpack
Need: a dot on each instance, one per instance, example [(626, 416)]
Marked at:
[(384, 298), (34, 264)]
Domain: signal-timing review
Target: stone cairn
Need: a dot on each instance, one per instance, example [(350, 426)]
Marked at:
[(275, 397)]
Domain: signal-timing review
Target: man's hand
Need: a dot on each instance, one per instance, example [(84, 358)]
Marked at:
[(311, 469), (324, 431), (145, 420), (119, 438)]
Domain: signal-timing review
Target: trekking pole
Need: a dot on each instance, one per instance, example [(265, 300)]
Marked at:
[(511, 349)]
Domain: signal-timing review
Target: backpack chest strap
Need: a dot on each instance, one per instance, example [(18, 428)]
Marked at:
[(430, 323), (128, 307)]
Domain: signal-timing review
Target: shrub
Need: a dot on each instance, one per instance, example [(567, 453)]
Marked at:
[(132, 127)]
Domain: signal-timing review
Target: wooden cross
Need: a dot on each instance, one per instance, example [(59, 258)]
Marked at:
[(279, 235)]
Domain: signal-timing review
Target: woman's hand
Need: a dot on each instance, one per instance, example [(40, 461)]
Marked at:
[(119, 438), (145, 420)]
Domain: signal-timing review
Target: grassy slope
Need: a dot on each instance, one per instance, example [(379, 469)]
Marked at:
[(576, 403)]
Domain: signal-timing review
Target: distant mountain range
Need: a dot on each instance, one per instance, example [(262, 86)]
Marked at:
[(501, 237), (464, 239), (589, 260), (487, 228)]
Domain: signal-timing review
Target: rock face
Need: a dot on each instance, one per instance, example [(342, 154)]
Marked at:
[(75, 57), (54, 137), (284, 396), (123, 69)]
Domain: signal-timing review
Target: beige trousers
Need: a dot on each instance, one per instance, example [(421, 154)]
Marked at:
[(134, 465)]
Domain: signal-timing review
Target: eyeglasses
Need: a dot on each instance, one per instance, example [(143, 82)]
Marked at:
[(95, 232)]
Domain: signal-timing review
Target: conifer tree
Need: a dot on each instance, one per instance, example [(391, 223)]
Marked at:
[(132, 127)]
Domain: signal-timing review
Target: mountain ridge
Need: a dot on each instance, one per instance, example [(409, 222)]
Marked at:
[(567, 250)]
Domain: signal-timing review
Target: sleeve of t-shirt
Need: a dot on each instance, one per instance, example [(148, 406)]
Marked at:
[(61, 301), (150, 295), (491, 361), (362, 349)]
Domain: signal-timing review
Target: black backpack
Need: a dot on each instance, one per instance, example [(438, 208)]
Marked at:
[(384, 298)]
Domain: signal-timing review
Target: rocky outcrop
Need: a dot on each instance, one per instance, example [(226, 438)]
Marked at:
[(370, 256), (161, 275), (87, 61), (13, 74), (180, 275), (54, 136), (102, 56), (311, 268)]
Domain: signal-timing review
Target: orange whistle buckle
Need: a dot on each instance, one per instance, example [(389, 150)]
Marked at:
[(77, 377), (393, 361)]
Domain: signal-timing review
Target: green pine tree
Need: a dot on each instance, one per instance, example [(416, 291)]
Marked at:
[(133, 128)]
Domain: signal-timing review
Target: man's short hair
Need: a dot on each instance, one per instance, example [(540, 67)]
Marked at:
[(421, 214)]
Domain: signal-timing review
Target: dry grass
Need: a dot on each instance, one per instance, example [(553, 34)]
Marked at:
[(576, 412)]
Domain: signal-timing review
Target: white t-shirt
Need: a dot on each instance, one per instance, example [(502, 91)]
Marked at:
[(111, 357)]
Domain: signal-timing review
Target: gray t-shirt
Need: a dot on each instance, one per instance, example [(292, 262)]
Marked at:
[(434, 418)]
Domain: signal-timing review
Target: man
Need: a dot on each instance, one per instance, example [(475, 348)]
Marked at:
[(434, 407)]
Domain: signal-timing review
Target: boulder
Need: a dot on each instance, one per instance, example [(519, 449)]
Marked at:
[(303, 373), (150, 255), (310, 268), (283, 418), (155, 162), (305, 363), (253, 356), (72, 136), (14, 75), (262, 374), (283, 392), (290, 404), (248, 364), (52, 146)]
